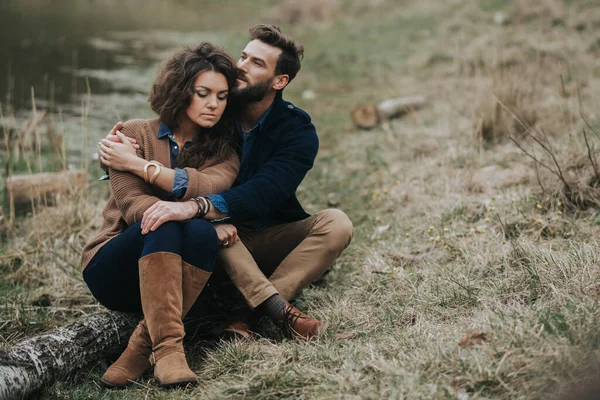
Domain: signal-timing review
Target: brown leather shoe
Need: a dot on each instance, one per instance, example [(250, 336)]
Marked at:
[(299, 325)]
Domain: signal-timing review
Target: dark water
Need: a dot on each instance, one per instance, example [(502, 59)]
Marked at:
[(57, 47), (65, 49)]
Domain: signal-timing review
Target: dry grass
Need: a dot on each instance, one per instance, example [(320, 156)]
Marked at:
[(473, 274)]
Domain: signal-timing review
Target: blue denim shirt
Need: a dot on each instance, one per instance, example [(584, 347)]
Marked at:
[(247, 142), (180, 181)]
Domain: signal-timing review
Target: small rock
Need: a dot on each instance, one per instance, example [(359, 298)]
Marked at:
[(308, 95), (45, 300)]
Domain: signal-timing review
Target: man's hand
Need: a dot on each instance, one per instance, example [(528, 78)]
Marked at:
[(227, 235), (117, 155), (163, 211), (113, 137)]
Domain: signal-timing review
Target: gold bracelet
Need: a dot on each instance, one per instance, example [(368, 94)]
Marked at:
[(156, 166)]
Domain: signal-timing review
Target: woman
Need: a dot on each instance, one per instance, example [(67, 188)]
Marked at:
[(148, 254)]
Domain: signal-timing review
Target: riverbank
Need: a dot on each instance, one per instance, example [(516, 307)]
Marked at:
[(474, 269)]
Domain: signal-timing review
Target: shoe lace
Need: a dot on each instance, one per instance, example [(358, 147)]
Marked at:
[(289, 319)]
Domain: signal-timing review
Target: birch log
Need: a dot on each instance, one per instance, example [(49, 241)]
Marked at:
[(22, 190), (367, 116), (38, 361)]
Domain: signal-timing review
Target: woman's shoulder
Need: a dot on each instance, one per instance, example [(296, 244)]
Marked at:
[(141, 127)]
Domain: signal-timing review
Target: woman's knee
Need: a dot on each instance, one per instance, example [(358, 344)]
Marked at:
[(167, 237), (200, 244), (200, 232)]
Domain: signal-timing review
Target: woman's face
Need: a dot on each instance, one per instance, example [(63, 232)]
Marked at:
[(209, 99)]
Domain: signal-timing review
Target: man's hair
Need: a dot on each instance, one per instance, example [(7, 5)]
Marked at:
[(291, 52), (172, 93)]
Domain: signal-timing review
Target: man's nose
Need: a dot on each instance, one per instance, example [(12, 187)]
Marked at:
[(243, 65)]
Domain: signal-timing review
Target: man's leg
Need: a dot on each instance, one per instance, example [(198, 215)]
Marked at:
[(295, 254)]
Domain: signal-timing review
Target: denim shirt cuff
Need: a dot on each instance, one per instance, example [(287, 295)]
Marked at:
[(180, 183), (219, 202)]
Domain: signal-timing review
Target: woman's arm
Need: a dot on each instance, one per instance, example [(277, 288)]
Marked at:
[(132, 195), (214, 179)]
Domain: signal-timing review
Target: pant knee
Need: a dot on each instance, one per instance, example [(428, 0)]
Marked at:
[(200, 244), (338, 227), (167, 237)]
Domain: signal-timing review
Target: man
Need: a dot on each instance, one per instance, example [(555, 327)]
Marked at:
[(282, 248)]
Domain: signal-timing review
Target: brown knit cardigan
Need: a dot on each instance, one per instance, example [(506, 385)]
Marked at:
[(130, 196)]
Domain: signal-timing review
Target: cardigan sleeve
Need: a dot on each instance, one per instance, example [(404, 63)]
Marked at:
[(213, 179), (278, 178), (132, 194)]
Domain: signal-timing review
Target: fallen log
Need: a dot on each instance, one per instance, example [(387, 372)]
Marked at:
[(38, 361), (368, 116), (23, 190)]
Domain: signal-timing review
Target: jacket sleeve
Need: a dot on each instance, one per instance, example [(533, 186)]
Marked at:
[(131, 193), (213, 179), (278, 178)]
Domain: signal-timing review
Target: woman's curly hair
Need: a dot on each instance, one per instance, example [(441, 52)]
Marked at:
[(172, 93)]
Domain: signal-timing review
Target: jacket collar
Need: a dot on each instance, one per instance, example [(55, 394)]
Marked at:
[(278, 110)]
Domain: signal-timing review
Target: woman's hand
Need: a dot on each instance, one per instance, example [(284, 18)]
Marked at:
[(227, 235), (117, 155), (163, 211)]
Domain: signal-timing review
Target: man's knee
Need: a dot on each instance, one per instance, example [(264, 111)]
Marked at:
[(338, 227)]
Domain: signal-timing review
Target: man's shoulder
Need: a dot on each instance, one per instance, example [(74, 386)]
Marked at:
[(296, 113)]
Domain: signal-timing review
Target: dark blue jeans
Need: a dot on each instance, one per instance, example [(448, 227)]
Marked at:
[(113, 276)]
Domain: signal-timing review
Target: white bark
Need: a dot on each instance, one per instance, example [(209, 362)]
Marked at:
[(40, 360)]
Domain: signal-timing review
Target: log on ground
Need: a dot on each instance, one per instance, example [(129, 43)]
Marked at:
[(22, 190), (367, 116), (33, 363)]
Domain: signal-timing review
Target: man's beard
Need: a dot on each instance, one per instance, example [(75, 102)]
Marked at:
[(253, 93)]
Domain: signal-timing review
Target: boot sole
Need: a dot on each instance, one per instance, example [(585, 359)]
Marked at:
[(178, 384), (112, 385)]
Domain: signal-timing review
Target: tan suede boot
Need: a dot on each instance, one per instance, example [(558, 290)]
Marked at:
[(133, 362), (193, 281), (135, 359)]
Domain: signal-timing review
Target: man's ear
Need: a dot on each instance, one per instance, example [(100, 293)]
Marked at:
[(280, 81)]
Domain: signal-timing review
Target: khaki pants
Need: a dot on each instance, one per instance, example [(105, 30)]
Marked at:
[(285, 258)]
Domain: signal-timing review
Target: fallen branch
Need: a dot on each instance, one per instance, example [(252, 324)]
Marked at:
[(22, 190), (367, 116), (39, 361)]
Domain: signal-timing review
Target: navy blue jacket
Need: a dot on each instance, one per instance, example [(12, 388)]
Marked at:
[(281, 155)]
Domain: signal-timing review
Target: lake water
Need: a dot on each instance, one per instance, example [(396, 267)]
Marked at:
[(109, 48)]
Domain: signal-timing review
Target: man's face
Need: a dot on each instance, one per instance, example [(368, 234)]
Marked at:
[(257, 70)]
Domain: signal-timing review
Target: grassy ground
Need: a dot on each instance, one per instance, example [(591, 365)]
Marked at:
[(474, 268)]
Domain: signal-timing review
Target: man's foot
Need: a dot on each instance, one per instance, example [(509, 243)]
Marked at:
[(299, 325), (238, 330)]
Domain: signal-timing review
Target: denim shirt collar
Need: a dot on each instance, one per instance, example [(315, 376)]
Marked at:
[(164, 131), (260, 123)]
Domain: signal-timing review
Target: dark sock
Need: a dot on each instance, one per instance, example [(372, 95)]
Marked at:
[(273, 307)]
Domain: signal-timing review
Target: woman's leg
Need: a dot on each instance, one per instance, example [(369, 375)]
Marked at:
[(112, 275), (109, 269), (168, 293)]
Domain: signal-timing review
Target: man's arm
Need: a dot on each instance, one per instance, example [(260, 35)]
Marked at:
[(276, 180)]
